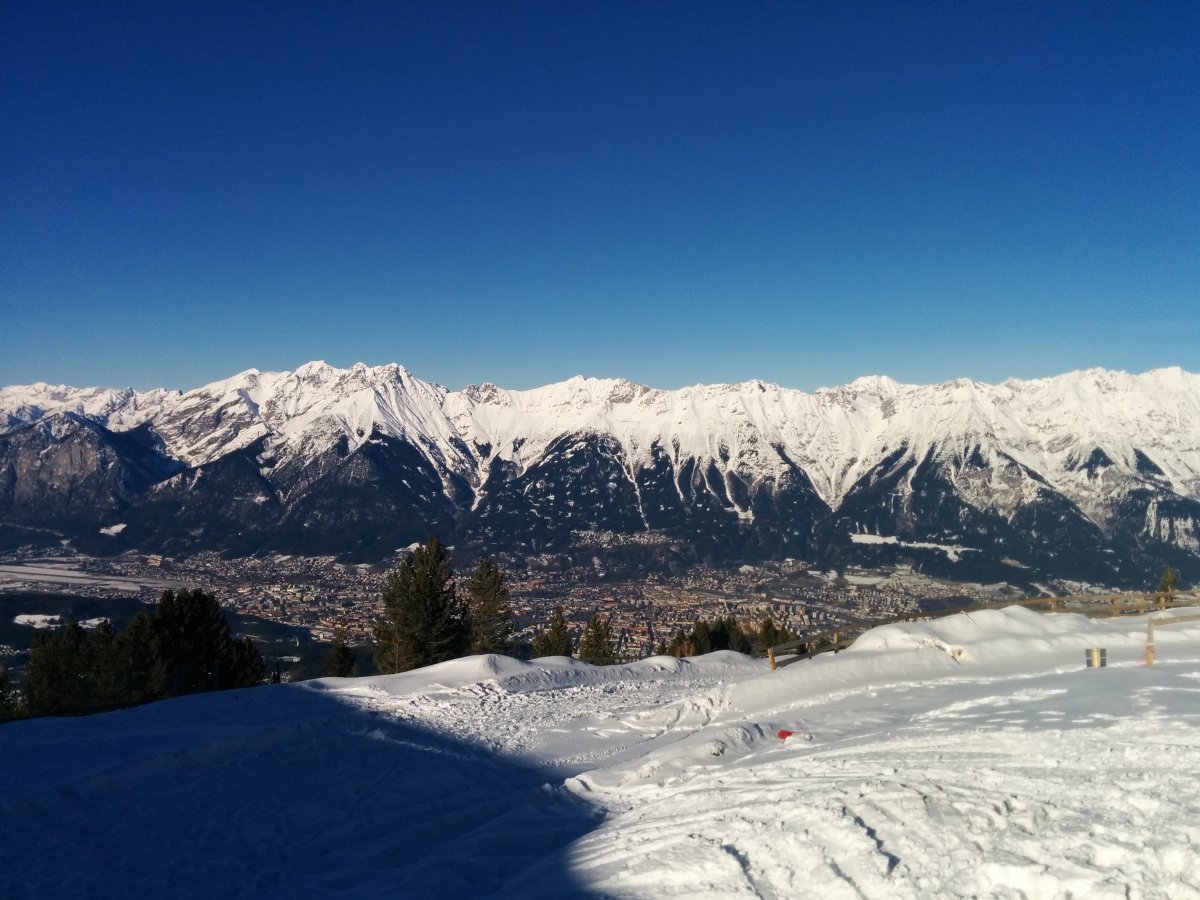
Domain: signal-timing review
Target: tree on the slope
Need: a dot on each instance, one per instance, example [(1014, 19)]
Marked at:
[(727, 634), (701, 639), (71, 672), (53, 682), (1167, 584), (555, 640), (490, 614), (106, 669), (183, 646), (679, 645), (340, 663), (671, 647), (10, 700), (597, 645), (424, 620), (770, 634), (705, 637), (186, 647)]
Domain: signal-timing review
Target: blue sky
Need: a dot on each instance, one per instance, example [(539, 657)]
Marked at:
[(669, 192)]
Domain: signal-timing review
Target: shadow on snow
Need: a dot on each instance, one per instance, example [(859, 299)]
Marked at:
[(270, 792)]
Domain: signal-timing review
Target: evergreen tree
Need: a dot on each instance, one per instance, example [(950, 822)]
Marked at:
[(491, 616), (680, 645), (424, 620), (597, 646), (555, 640), (705, 637), (340, 663), (182, 647), (190, 648), (701, 639), (105, 668), (56, 681), (10, 700), (73, 671), (770, 634), (142, 658), (727, 634), (245, 666), (1167, 584)]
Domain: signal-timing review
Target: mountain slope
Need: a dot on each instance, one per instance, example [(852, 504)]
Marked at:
[(970, 756), (1091, 475)]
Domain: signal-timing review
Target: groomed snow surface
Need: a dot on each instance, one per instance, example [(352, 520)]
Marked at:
[(971, 756)]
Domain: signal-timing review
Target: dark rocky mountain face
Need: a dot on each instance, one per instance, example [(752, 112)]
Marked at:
[(363, 504), (585, 483), (359, 463), (68, 472)]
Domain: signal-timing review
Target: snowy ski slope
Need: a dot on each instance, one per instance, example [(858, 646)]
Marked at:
[(971, 756)]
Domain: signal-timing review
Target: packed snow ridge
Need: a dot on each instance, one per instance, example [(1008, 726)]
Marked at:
[(1064, 428), (971, 756)]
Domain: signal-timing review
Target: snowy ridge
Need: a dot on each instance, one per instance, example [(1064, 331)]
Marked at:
[(1051, 425), (969, 756), (1092, 474)]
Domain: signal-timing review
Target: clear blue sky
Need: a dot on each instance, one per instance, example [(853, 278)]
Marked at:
[(670, 192)]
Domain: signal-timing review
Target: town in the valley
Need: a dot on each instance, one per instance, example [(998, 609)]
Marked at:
[(325, 597)]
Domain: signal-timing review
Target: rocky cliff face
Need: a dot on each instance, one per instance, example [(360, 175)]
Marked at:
[(1092, 475)]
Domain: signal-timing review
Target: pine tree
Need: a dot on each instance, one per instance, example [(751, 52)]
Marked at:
[(191, 648), (184, 646), (56, 681), (105, 668), (680, 644), (143, 660), (770, 634), (10, 700), (340, 663), (597, 646), (727, 634), (1167, 584), (555, 640), (244, 666), (701, 639), (424, 620), (490, 614)]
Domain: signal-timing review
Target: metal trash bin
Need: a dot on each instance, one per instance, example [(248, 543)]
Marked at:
[(1096, 657)]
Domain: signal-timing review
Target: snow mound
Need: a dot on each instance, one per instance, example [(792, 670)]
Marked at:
[(508, 674)]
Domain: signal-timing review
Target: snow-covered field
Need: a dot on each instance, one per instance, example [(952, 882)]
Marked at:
[(971, 756)]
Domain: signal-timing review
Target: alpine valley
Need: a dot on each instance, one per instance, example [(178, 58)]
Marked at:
[(1091, 476)]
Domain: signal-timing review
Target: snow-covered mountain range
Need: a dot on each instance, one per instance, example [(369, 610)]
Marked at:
[(1092, 474)]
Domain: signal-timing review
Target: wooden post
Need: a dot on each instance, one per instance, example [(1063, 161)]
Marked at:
[(771, 657), (1117, 604), (1141, 604), (1161, 622), (1053, 604)]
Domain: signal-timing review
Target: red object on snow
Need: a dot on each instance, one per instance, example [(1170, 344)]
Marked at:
[(784, 734)]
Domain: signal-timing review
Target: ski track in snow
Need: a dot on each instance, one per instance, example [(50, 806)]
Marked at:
[(972, 756)]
